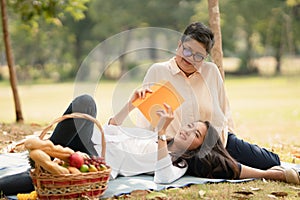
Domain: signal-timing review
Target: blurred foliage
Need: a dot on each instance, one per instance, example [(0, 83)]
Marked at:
[(252, 29), (50, 10), (53, 34)]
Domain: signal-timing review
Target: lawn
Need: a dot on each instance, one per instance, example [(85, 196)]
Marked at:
[(266, 111)]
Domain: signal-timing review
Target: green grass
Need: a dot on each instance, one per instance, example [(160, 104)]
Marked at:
[(266, 111), (42, 103)]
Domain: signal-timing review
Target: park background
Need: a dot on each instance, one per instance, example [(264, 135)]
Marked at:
[(260, 40)]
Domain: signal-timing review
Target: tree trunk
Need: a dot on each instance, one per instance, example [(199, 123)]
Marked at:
[(278, 63), (214, 22), (10, 62)]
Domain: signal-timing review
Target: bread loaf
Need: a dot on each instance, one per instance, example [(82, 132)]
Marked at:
[(43, 159), (55, 151)]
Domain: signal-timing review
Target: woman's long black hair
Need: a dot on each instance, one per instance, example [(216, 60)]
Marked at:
[(209, 160)]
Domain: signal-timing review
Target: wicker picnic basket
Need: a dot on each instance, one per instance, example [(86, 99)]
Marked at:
[(88, 185)]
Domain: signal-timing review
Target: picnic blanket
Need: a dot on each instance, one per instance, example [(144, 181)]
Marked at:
[(12, 163)]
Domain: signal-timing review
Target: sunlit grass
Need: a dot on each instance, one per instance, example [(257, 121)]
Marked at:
[(266, 111)]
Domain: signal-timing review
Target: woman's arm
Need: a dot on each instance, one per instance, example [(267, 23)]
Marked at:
[(166, 117), (128, 107), (165, 171)]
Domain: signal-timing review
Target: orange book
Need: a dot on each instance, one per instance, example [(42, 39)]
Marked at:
[(163, 92)]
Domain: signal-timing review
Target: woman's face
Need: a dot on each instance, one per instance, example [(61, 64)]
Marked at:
[(190, 136), (188, 64)]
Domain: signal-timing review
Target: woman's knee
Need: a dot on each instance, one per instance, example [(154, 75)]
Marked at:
[(84, 104)]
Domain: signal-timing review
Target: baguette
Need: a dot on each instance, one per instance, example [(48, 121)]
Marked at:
[(43, 159), (55, 151)]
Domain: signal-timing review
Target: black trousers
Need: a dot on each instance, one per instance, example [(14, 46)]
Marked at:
[(77, 133), (250, 154), (73, 133)]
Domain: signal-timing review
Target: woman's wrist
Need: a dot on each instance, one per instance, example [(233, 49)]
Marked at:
[(162, 138), (130, 106), (162, 146), (161, 132)]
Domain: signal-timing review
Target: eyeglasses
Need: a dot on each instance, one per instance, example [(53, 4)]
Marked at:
[(187, 52)]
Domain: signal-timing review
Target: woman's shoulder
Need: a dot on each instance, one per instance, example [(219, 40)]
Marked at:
[(160, 65), (157, 71), (210, 70), (210, 66)]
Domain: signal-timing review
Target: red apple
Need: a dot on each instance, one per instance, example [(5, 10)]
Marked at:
[(76, 160)]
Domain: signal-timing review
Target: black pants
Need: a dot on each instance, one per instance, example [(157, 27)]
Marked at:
[(251, 154), (77, 133), (73, 133)]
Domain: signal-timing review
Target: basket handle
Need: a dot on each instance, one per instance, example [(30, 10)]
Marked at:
[(78, 115)]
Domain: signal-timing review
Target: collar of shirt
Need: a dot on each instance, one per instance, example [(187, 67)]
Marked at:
[(175, 69)]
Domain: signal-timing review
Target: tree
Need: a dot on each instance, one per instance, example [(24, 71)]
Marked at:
[(214, 22), (10, 63), (282, 26), (269, 32), (209, 13), (31, 12)]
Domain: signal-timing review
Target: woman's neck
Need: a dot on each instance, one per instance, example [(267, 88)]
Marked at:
[(187, 74)]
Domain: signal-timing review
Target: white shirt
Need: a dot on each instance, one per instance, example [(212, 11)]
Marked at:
[(203, 93), (133, 151)]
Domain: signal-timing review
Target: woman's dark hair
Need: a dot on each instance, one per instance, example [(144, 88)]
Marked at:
[(210, 160), (201, 33)]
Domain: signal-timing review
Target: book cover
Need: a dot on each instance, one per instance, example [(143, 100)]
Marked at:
[(163, 92)]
